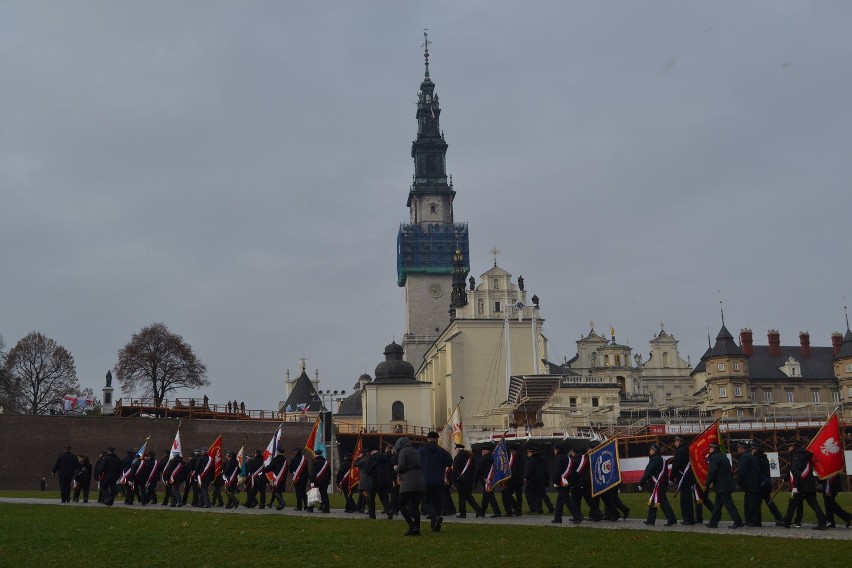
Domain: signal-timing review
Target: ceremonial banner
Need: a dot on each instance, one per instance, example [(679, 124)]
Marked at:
[(827, 449), (500, 470), (316, 439), (605, 468), (141, 452), (270, 450), (215, 454), (355, 472), (453, 432), (241, 460), (698, 450), (175, 451)]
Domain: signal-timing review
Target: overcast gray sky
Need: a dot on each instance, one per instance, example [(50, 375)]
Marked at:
[(239, 170)]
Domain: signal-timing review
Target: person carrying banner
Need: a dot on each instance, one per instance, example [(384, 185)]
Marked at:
[(562, 478), (230, 477), (204, 470), (177, 472), (463, 476), (720, 476), (255, 481), (802, 485), (510, 490), (748, 478), (483, 469), (765, 493), (683, 480), (581, 487), (153, 470), (276, 471), (655, 473), (320, 477)]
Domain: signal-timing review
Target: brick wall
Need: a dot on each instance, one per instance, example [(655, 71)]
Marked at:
[(29, 444)]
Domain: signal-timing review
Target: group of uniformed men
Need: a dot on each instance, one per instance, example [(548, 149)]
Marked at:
[(137, 477)]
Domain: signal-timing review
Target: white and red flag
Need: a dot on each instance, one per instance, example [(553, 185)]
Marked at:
[(175, 445), (827, 449)]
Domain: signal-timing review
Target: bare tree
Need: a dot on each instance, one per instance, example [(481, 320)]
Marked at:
[(42, 372), (157, 361), (8, 387)]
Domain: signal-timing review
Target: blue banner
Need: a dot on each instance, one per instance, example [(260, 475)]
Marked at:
[(606, 472), (500, 470)]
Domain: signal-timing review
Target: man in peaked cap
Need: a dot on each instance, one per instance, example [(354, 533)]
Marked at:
[(655, 473), (719, 475), (277, 469)]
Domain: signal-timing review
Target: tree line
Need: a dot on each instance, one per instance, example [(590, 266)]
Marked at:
[(37, 373)]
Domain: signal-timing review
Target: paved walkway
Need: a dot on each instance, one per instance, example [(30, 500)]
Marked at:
[(767, 530)]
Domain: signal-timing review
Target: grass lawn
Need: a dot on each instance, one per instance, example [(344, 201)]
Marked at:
[(35, 535)]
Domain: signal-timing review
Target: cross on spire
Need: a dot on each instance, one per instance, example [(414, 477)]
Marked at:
[(494, 252), (425, 46)]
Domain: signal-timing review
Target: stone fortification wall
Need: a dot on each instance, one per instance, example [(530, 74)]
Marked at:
[(29, 444)]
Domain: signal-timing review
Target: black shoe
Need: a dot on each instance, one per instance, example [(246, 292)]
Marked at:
[(626, 513), (687, 523), (648, 523), (558, 521), (709, 526), (310, 509), (480, 514), (819, 528), (577, 521), (670, 523), (412, 532), (829, 525), (797, 524), (438, 522), (848, 523), (736, 526), (496, 515), (461, 516), (509, 514), (781, 524)]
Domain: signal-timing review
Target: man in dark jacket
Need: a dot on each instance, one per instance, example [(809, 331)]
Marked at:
[(561, 477), (536, 479), (482, 474), (277, 468), (434, 460), (66, 465), (256, 481), (512, 488), (204, 471), (99, 467), (829, 495), (803, 485), (720, 477), (153, 471), (320, 477), (463, 477), (581, 488), (656, 475), (83, 479), (683, 480), (190, 481), (110, 474), (230, 477), (176, 473), (748, 478), (298, 468), (342, 481), (766, 482)]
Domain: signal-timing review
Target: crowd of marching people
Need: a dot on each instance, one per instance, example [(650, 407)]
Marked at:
[(412, 482)]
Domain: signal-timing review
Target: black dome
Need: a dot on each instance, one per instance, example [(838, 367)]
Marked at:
[(393, 368)]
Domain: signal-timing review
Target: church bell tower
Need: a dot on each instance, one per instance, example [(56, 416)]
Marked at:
[(427, 243)]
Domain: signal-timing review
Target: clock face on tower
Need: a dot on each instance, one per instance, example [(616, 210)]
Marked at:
[(436, 291)]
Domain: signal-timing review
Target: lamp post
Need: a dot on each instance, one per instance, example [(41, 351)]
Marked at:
[(331, 396)]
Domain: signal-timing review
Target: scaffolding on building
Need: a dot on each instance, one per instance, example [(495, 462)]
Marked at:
[(429, 248)]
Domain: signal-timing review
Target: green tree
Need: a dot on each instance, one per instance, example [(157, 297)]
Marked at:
[(42, 373), (157, 361)]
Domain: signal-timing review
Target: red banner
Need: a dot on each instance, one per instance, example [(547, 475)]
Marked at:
[(215, 454), (698, 450), (355, 472), (827, 449)]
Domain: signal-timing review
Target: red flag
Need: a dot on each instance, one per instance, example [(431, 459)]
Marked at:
[(312, 438), (698, 450), (215, 454), (355, 472), (827, 449)]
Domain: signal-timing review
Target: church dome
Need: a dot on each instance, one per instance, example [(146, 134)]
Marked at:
[(393, 368)]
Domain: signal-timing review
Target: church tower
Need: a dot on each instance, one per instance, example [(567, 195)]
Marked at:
[(427, 243)]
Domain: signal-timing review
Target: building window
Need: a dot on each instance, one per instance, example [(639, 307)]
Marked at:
[(618, 360), (433, 208), (835, 396), (815, 395), (665, 359), (723, 392), (720, 367), (572, 402), (738, 391), (481, 305), (849, 368), (740, 412), (789, 395), (595, 402), (850, 392), (753, 395), (397, 411), (606, 360), (735, 366), (767, 396), (496, 306)]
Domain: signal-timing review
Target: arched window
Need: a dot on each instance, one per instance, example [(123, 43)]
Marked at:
[(397, 411), (665, 359)]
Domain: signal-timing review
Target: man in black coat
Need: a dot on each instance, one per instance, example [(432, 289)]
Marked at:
[(748, 478), (204, 471), (255, 481), (581, 488), (766, 482), (277, 468), (483, 470), (230, 476), (683, 480), (463, 471), (562, 477), (656, 475), (512, 488), (99, 466), (829, 495), (110, 473), (299, 470), (66, 466), (721, 478), (433, 462), (343, 483), (176, 472), (83, 479), (536, 480), (803, 485), (320, 477)]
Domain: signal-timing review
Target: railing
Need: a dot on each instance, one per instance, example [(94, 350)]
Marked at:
[(192, 408), (398, 429)]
